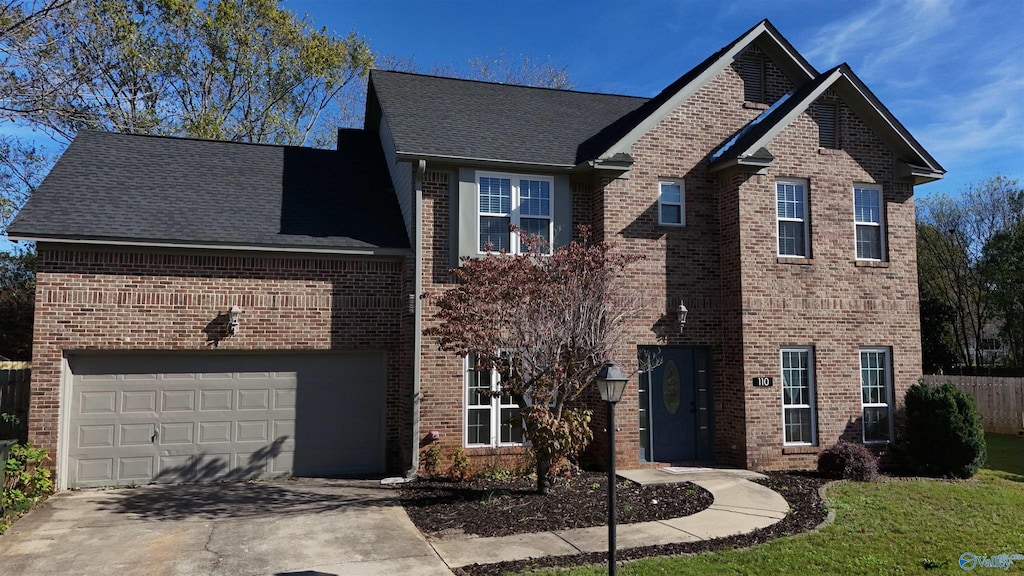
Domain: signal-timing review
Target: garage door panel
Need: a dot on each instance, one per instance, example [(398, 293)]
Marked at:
[(95, 470), (175, 469), (210, 400), (137, 434), (96, 436), (98, 402), (138, 401), (138, 468), (194, 418), (214, 432), (254, 399), (175, 433), (252, 431), (177, 400), (283, 463)]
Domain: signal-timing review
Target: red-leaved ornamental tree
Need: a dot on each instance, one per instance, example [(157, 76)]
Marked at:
[(546, 324)]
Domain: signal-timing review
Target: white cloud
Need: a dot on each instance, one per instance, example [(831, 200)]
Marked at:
[(987, 117), (882, 33)]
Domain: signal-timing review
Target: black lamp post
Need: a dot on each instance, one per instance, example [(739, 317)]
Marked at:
[(611, 381)]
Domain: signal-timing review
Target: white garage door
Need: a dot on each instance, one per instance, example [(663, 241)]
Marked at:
[(169, 418)]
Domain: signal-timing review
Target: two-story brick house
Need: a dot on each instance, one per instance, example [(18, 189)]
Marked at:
[(774, 202)]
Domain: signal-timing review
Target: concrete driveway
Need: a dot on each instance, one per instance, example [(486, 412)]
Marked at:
[(307, 527)]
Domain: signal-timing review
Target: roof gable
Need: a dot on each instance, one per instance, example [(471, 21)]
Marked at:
[(750, 144), (621, 136)]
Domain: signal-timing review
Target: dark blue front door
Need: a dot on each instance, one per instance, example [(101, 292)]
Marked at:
[(679, 404)]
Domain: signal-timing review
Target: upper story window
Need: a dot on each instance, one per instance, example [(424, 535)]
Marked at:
[(867, 216), (791, 206), (513, 200), (672, 203)]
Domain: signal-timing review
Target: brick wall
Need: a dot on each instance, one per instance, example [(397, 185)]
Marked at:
[(697, 264), (128, 299), (830, 301), (743, 302)]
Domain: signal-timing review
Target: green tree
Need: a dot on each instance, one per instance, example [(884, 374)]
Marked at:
[(244, 70), (17, 304), (953, 233), (1004, 261), (938, 349)]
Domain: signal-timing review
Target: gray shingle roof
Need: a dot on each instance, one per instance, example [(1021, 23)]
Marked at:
[(119, 187), (433, 116)]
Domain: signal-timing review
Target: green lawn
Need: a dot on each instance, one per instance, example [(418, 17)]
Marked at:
[(889, 527)]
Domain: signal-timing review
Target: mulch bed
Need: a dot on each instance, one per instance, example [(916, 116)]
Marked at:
[(501, 508), (456, 505)]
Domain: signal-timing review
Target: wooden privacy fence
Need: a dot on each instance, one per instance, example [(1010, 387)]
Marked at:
[(1000, 401), (15, 379)]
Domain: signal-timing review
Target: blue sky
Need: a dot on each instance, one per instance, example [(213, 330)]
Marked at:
[(951, 71)]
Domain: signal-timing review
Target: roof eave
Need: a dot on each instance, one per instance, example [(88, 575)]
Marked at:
[(99, 241), (485, 162), (748, 164), (917, 174)]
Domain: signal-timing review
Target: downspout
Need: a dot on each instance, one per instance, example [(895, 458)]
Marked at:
[(417, 338)]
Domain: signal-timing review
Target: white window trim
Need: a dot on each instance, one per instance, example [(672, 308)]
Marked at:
[(494, 408), (887, 359), (880, 223), (806, 219), (514, 215), (810, 393), (681, 203)]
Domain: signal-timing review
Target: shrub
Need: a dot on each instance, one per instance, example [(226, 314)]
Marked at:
[(460, 468), (431, 460), (26, 483), (943, 430), (848, 461)]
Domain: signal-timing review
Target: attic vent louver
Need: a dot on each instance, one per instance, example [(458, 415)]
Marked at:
[(751, 69), (828, 125)]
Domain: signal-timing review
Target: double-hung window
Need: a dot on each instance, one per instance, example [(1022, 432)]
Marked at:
[(791, 206), (492, 418), (867, 216), (798, 395), (514, 200), (876, 394), (671, 203)]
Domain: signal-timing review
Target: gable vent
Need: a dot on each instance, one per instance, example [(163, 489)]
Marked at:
[(828, 125), (751, 69)]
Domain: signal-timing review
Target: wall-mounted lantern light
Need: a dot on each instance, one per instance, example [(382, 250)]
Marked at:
[(234, 316), (682, 316)]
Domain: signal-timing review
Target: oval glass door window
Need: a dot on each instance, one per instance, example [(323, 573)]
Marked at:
[(671, 387)]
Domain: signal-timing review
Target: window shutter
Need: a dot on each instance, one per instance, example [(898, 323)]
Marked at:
[(828, 125)]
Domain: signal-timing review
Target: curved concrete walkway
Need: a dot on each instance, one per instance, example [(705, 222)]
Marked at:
[(740, 506)]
